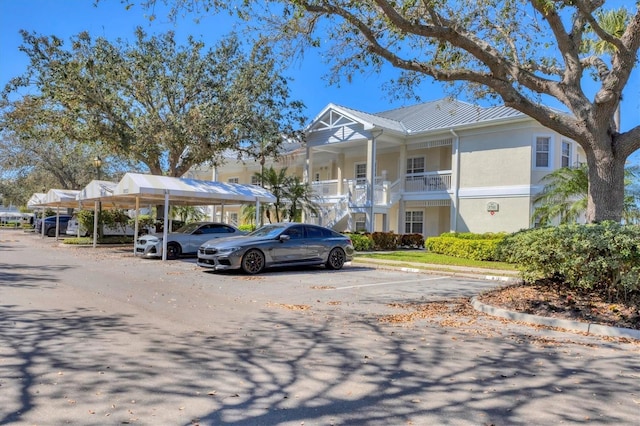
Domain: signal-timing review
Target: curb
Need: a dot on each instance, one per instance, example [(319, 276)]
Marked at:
[(588, 328), (582, 327)]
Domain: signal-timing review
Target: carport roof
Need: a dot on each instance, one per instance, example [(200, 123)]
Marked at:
[(36, 200), (182, 191), (61, 198), (102, 190)]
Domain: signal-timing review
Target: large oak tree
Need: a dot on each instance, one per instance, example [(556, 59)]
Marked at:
[(525, 52), (156, 103)]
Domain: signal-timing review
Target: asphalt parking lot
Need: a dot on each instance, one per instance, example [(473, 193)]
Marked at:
[(98, 336)]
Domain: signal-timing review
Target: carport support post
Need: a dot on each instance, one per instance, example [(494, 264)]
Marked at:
[(136, 225), (95, 224), (57, 222), (166, 225)]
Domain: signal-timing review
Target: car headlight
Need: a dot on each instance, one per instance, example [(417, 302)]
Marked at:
[(228, 250)]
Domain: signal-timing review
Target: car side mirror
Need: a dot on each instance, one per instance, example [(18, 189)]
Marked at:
[(197, 232), (284, 238)]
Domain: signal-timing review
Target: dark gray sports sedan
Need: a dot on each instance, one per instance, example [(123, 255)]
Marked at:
[(277, 244)]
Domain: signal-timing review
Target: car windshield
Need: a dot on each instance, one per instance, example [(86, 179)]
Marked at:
[(188, 229), (269, 231)]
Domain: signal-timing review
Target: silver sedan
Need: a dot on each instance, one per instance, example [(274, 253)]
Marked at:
[(278, 244), (185, 240)]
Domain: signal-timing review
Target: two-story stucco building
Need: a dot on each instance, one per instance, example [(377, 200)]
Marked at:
[(430, 168)]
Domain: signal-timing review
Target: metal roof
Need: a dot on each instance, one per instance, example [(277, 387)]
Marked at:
[(440, 114)]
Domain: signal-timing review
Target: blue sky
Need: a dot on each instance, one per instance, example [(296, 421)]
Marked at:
[(65, 18)]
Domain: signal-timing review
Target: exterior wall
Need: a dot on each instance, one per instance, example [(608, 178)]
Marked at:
[(495, 157), (513, 215)]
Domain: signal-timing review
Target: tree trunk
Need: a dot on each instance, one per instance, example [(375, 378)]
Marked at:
[(606, 186)]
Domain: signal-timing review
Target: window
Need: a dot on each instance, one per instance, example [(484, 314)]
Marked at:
[(233, 180), (542, 151), (413, 222), (313, 232), (295, 232), (233, 218), (361, 222), (415, 165), (255, 180), (361, 173), (566, 154)]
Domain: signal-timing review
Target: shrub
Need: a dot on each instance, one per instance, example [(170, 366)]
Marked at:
[(466, 245), (597, 256), (385, 240), (361, 242), (247, 227), (412, 240)]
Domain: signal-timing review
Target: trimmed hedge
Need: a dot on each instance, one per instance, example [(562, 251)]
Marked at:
[(361, 242), (604, 256), (466, 245)]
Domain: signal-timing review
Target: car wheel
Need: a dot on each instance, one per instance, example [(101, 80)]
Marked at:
[(253, 262), (173, 250), (336, 258), (51, 232)]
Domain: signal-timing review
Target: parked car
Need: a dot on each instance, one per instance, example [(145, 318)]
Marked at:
[(278, 244), (50, 225), (114, 230), (184, 241)]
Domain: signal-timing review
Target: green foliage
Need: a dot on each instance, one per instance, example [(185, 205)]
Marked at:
[(361, 242), (153, 101), (292, 195), (466, 245), (188, 213), (249, 227), (605, 255), (473, 236)]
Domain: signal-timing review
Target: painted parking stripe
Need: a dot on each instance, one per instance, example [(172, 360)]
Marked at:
[(387, 283)]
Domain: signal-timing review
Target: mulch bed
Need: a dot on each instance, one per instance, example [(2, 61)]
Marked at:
[(550, 299)]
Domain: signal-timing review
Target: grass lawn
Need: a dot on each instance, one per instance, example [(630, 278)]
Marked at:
[(417, 256)]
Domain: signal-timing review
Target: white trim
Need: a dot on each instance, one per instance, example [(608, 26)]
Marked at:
[(572, 160), (412, 159), (534, 150), (497, 191)]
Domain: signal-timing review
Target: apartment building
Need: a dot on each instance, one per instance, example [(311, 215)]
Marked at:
[(430, 168)]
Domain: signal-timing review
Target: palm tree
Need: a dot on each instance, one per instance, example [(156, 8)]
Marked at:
[(300, 197), (564, 196), (614, 22), (276, 182)]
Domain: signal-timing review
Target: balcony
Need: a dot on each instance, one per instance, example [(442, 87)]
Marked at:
[(428, 182), (385, 192)]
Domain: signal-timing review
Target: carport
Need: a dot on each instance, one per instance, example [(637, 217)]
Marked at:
[(35, 203), (95, 192), (59, 198), (136, 188)]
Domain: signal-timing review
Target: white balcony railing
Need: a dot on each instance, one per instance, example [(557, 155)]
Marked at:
[(385, 192), (428, 182)]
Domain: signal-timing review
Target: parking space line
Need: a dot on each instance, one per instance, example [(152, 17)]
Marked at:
[(387, 283)]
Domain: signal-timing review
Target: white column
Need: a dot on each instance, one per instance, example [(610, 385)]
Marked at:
[(371, 170)]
